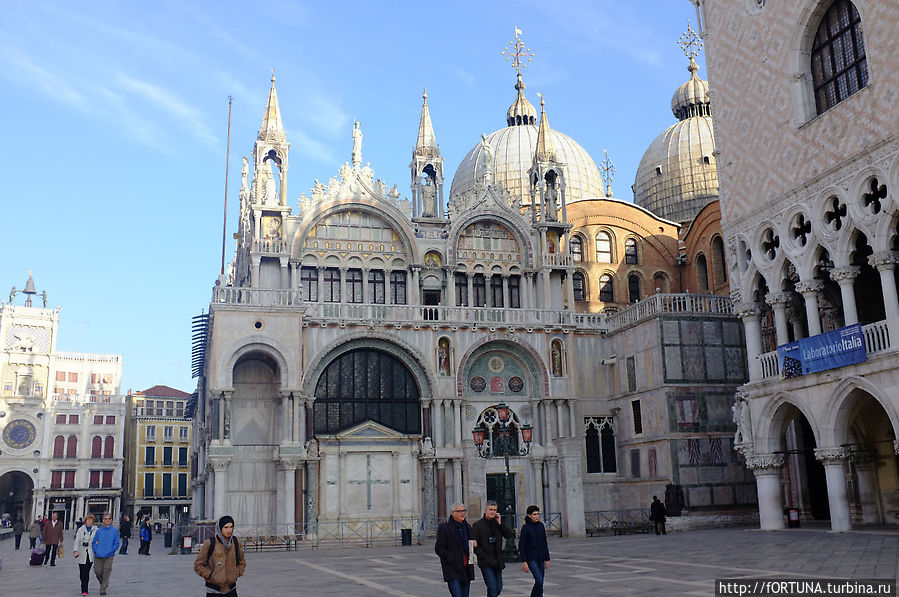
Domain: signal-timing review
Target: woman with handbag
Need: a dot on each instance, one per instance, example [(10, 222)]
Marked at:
[(82, 550)]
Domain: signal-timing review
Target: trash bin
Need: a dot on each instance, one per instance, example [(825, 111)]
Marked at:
[(187, 544), (168, 538), (406, 536), (793, 518)]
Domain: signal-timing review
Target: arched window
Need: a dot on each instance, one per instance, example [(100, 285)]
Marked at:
[(109, 447), (633, 288), (603, 247), (96, 447), (606, 289), (720, 261), (661, 282), (630, 252), (59, 445), (72, 447), (557, 356), (580, 290), (839, 65), (577, 248), (496, 290), (600, 439), (366, 384), (702, 273)]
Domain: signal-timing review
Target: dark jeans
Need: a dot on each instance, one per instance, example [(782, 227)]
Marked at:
[(32, 542), (124, 549), (231, 593), (50, 555), (538, 571), (458, 588), (85, 571), (493, 578), (144, 548), (18, 541)]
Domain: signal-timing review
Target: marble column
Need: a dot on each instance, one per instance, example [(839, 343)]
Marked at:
[(321, 283), (507, 299), (569, 289), (312, 497), (285, 273), (79, 507), (428, 511), (470, 280), (750, 314), (547, 289), (415, 298), (809, 291), (547, 423), (395, 512), (439, 426), (537, 465), (845, 277), (885, 263), (286, 423), (220, 467), (555, 501), (833, 460), (560, 420), (767, 470), (457, 423), (458, 495), (441, 488), (288, 500), (254, 272), (779, 302), (572, 419), (450, 286)]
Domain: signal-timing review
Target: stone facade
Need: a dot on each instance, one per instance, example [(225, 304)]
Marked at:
[(811, 227)]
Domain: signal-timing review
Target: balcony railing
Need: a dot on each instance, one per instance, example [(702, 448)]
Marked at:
[(89, 398), (877, 340), (557, 259), (662, 303), (270, 246)]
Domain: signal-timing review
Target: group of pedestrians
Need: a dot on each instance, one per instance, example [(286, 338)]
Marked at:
[(96, 546), (456, 540)]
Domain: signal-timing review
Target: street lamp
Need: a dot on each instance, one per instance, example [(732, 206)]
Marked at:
[(505, 447)]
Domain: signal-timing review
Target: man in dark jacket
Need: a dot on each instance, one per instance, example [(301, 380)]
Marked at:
[(657, 513), (452, 547), (125, 534), (489, 532)]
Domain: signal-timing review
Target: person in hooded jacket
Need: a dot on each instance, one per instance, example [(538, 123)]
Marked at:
[(221, 560), (83, 551), (533, 549), (489, 532)]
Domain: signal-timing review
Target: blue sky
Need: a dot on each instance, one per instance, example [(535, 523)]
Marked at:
[(113, 120)]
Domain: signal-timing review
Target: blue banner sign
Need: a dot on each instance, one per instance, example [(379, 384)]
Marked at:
[(845, 346)]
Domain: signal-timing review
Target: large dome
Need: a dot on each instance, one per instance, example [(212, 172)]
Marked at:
[(513, 153), (678, 174)]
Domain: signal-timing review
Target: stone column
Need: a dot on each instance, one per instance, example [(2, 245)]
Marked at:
[(254, 271), (415, 299), (470, 277), (321, 286), (226, 417), (343, 294), (457, 423), (428, 512), (537, 465), (833, 460), (507, 298), (779, 302), (572, 419), (555, 502), (365, 294), (299, 420), (809, 291), (458, 494), (569, 289), (288, 503), (885, 263), (750, 314), (285, 273), (547, 290), (845, 277), (438, 424), (868, 487), (312, 497), (450, 276), (395, 512), (547, 424), (220, 466), (441, 488), (286, 422), (560, 422), (79, 508), (767, 470)]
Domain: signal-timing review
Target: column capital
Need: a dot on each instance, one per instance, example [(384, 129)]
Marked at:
[(831, 455), (863, 458), (896, 446), (884, 260), (765, 464), (736, 295), (219, 462), (845, 275), (747, 310), (776, 299), (809, 287)]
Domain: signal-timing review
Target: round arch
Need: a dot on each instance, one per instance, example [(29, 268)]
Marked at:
[(505, 343), (248, 346), (517, 228), (772, 421), (17, 493), (844, 400)]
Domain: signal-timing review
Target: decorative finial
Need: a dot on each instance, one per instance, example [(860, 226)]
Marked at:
[(424, 94), (542, 103), (517, 53), (273, 74), (691, 44), (607, 172)]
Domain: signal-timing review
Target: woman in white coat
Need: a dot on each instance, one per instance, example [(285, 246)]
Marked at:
[(82, 550)]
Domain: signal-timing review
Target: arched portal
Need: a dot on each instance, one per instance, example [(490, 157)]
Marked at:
[(16, 495), (805, 486)]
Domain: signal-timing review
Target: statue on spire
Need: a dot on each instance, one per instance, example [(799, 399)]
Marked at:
[(486, 160), (357, 144)]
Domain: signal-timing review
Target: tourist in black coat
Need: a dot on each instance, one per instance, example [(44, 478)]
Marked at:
[(452, 547), (488, 532), (657, 513), (533, 549)]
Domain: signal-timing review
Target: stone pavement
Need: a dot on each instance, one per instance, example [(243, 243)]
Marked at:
[(682, 563)]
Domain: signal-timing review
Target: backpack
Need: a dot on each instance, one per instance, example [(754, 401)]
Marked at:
[(212, 548)]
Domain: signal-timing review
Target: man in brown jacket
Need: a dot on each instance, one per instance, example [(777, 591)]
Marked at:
[(221, 560), (52, 538)]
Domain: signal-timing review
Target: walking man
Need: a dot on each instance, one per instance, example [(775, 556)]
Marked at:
[(452, 546), (18, 529), (488, 532), (124, 534), (221, 561), (34, 531), (533, 549), (657, 513), (105, 545), (52, 538)]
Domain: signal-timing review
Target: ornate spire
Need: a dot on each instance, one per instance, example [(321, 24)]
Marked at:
[(691, 44), (521, 111), (271, 121), (546, 152), (427, 142), (607, 171), (691, 98)]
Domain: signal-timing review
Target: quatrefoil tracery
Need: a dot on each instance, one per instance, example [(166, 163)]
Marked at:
[(873, 198), (770, 244), (801, 230), (835, 216)]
